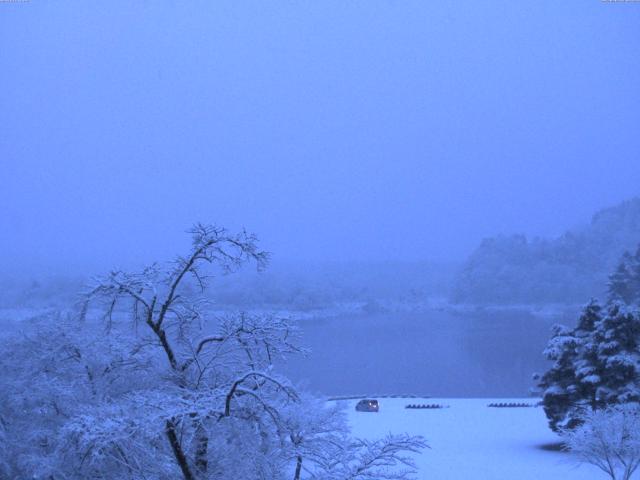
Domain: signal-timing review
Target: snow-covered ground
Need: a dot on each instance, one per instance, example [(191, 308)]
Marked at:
[(470, 441)]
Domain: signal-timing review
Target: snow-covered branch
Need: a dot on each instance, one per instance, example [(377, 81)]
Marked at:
[(610, 440)]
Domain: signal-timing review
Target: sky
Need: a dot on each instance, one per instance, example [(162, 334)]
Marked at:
[(336, 130)]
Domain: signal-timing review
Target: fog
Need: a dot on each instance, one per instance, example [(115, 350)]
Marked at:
[(336, 131), (371, 146), (274, 239)]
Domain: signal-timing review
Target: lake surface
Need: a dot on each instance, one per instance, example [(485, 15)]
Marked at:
[(435, 353), (431, 352)]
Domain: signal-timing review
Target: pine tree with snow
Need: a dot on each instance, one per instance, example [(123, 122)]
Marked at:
[(617, 339), (559, 381), (572, 380), (587, 365), (624, 283), (596, 365), (620, 281), (635, 278)]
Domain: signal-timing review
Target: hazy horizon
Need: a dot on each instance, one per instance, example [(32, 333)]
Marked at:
[(377, 131)]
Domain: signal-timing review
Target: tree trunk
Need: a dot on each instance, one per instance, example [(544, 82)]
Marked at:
[(298, 468), (178, 453), (202, 446)]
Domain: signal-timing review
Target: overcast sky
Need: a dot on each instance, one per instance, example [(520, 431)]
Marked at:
[(336, 130)]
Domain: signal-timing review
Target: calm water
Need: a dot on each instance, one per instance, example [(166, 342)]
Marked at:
[(433, 353)]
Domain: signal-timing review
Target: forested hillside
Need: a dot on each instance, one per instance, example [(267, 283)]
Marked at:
[(515, 269)]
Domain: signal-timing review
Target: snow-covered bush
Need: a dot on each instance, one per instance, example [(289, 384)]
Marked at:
[(610, 440), (51, 373), (154, 388)]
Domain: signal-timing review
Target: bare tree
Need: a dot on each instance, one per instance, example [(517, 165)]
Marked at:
[(610, 440)]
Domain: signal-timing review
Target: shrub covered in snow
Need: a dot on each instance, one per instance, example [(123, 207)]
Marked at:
[(610, 440)]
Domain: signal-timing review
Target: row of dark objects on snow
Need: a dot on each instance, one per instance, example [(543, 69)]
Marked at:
[(359, 397), (426, 406), (433, 406)]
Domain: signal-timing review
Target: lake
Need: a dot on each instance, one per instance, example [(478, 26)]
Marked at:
[(435, 352)]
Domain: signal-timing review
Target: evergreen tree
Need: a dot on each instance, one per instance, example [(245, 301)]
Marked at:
[(559, 381), (620, 281), (635, 278), (624, 283), (587, 367), (596, 365), (570, 384), (617, 339)]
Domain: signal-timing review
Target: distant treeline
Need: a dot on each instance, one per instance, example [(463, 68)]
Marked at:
[(568, 269), (302, 286)]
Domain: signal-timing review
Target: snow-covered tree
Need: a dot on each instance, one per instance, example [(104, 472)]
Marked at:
[(5, 468), (160, 389), (595, 365), (323, 448), (624, 282), (559, 381), (609, 439), (49, 374), (616, 342)]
